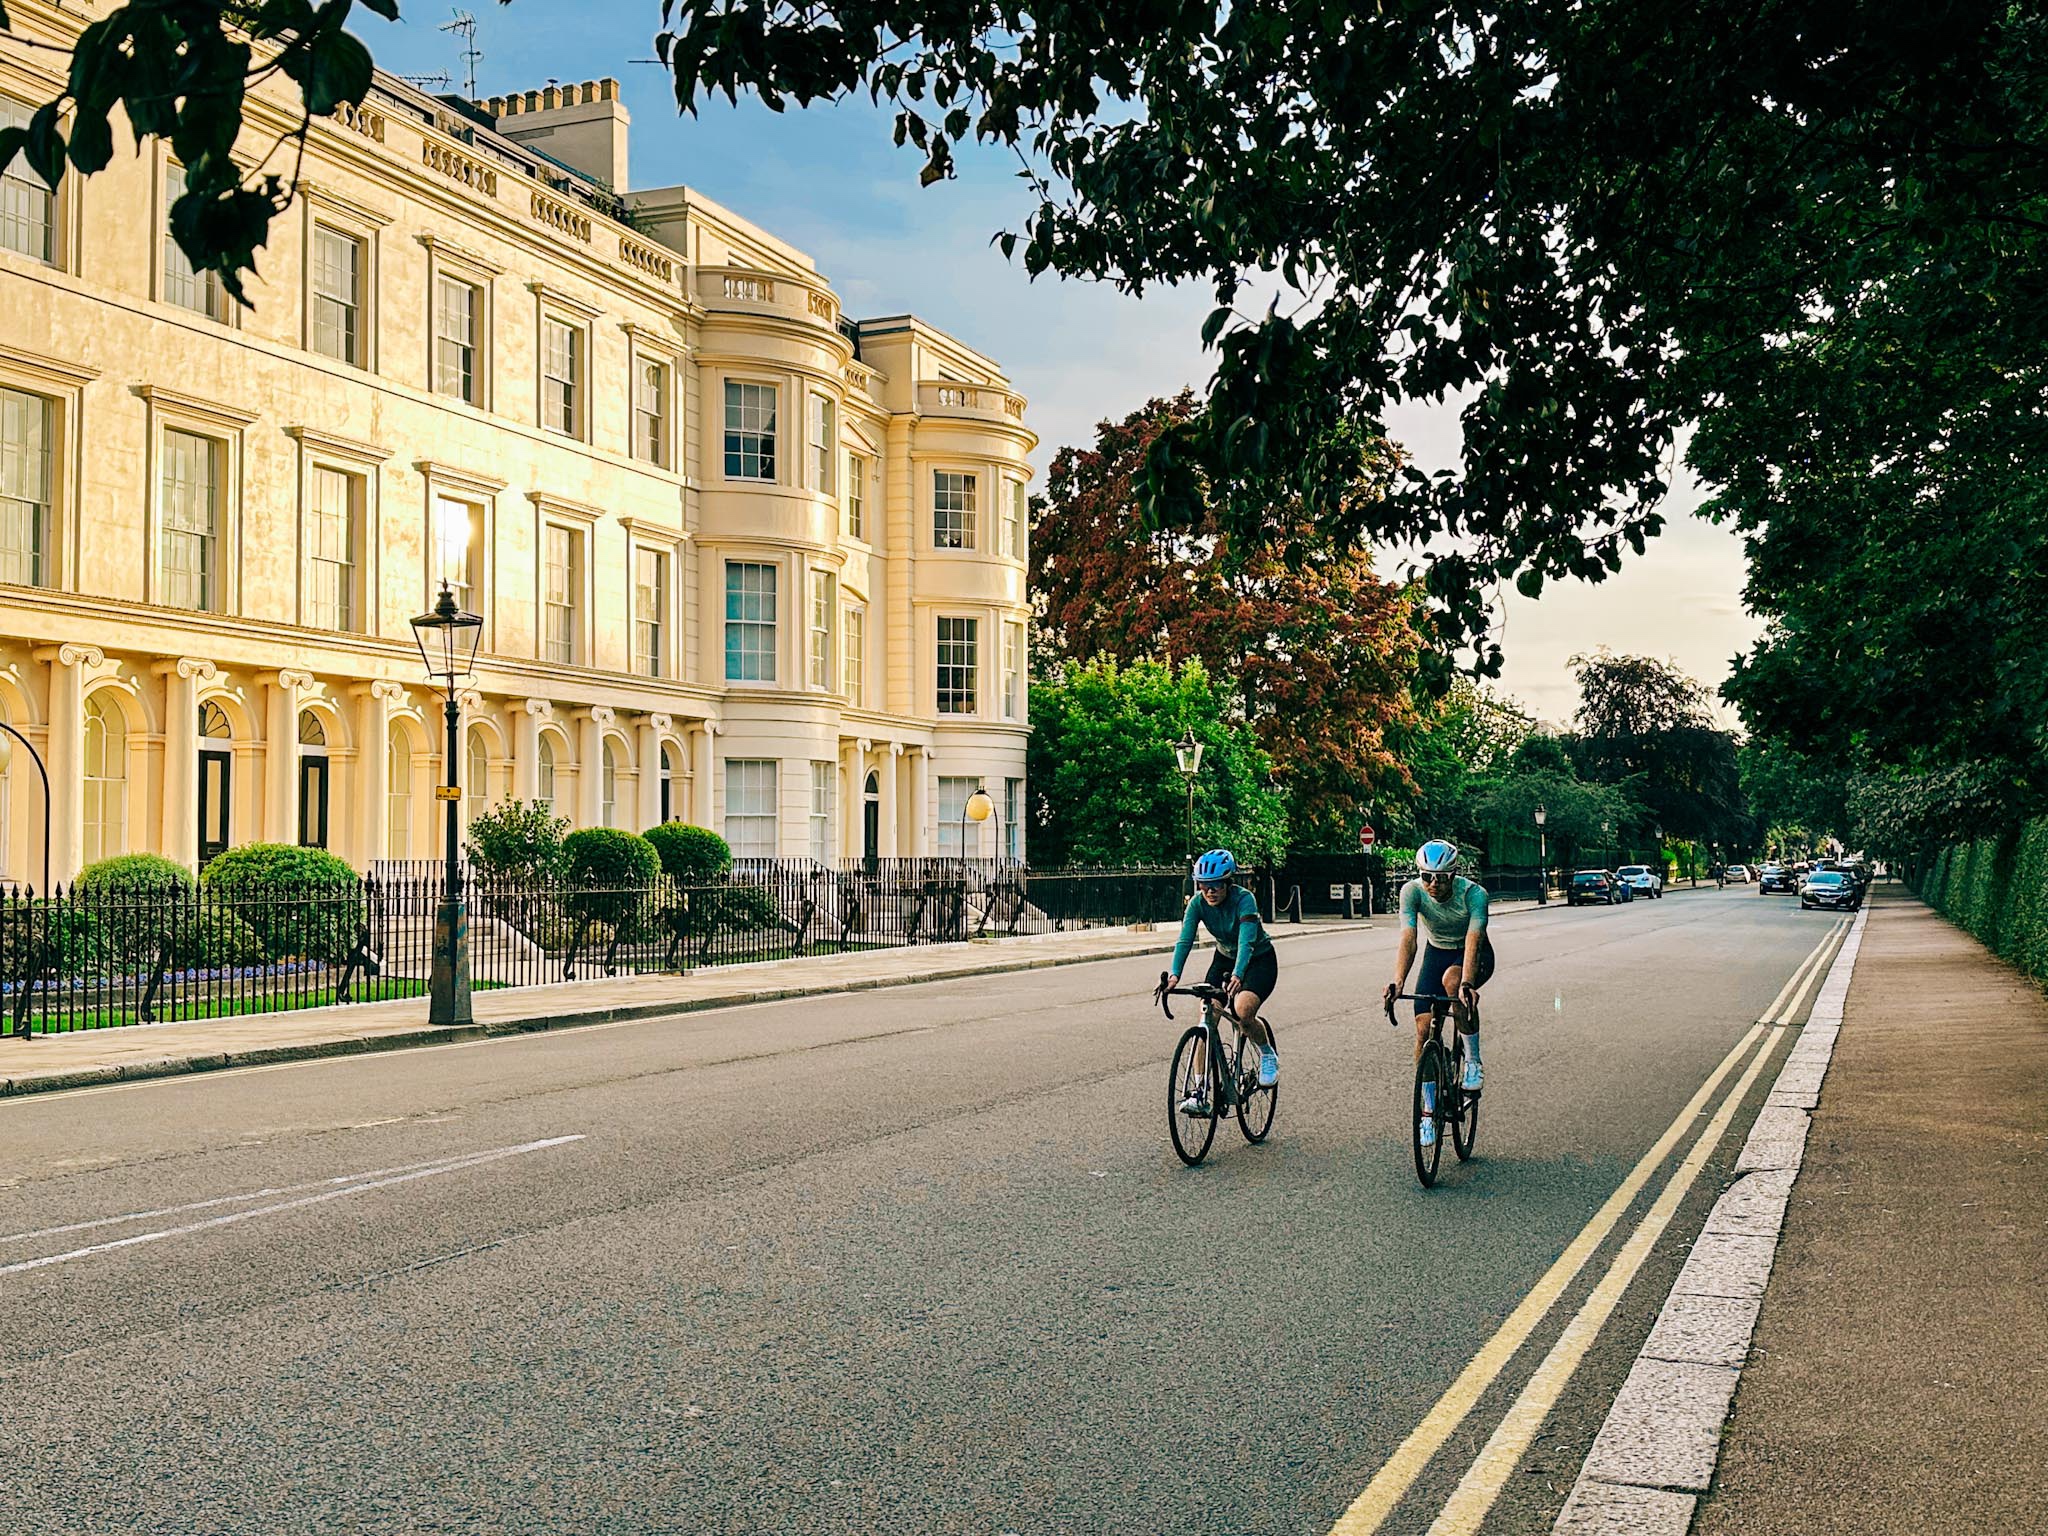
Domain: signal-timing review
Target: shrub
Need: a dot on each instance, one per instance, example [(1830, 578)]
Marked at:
[(608, 871), (43, 935), (136, 904), (208, 935), (691, 855), (299, 901), (518, 840)]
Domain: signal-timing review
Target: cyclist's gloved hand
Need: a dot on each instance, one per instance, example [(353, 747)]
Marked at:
[(1168, 983), (1230, 987), (1393, 991)]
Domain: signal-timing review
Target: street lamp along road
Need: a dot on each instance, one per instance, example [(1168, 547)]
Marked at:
[(7, 756), (1542, 859), (1187, 758), (448, 640)]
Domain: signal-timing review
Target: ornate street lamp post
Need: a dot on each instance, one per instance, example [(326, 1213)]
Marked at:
[(21, 1031), (448, 640), (1542, 859), (1187, 758)]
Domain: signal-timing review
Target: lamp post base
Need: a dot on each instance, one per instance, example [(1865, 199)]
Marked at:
[(448, 981)]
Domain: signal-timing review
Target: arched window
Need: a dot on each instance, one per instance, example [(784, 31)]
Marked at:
[(311, 732), (477, 791), (609, 811), (398, 796), (671, 776), (213, 723), (106, 780), (544, 774)]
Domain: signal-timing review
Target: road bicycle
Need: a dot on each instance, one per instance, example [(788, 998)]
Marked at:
[(1456, 1110), (1221, 1085)]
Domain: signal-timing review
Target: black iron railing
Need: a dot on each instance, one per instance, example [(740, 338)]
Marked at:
[(91, 957)]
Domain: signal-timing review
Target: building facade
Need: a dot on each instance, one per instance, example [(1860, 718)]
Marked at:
[(741, 560)]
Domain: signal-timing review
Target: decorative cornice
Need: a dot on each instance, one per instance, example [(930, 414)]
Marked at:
[(460, 255), (344, 447), (319, 195), (459, 479), (191, 405), (647, 530), (549, 294), (75, 374), (546, 502)]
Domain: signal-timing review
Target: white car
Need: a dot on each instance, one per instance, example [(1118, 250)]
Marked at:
[(1647, 881), (1738, 874)]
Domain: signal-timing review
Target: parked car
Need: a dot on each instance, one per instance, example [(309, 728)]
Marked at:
[(1830, 888), (1775, 878), (1737, 874), (1642, 879), (1591, 885)]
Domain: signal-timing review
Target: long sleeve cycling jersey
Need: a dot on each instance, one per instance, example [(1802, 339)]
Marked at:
[(1234, 924)]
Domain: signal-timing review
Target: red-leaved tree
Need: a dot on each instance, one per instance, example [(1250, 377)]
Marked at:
[(1321, 650)]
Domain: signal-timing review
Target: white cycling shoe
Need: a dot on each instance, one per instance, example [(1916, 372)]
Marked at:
[(1428, 1130), (1474, 1075)]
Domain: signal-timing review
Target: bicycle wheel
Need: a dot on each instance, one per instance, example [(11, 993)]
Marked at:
[(1427, 1070), (1255, 1105), (1464, 1108), (1191, 1133)]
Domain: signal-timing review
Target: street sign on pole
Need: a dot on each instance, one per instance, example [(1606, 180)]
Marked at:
[(1365, 837)]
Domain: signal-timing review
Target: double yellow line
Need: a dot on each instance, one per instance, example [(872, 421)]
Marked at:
[(1496, 1461), (1797, 992)]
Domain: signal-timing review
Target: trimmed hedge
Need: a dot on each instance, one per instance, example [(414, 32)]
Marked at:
[(301, 902), (691, 855), (1996, 888)]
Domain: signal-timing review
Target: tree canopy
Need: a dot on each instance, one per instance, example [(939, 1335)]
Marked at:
[(1645, 722), (1318, 649), (1590, 226), (1104, 785)]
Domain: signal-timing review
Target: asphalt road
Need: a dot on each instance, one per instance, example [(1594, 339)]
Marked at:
[(912, 1261)]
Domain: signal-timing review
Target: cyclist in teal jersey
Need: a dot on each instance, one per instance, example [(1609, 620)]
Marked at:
[(1244, 964), (1457, 958)]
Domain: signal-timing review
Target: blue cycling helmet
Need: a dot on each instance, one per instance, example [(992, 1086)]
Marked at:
[(1215, 865), (1436, 857)]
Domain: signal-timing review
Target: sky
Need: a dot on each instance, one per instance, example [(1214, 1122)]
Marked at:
[(829, 181)]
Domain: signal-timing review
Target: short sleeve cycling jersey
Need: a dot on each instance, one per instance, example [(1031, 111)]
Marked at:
[(1234, 924), (1445, 922)]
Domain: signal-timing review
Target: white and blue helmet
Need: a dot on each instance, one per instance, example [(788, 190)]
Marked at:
[(1436, 857)]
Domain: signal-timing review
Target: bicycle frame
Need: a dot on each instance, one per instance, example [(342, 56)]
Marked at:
[(1214, 1005)]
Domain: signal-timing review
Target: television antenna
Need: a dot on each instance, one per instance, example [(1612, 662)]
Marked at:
[(463, 25), (438, 82)]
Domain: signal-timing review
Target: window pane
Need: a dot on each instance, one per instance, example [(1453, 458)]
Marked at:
[(558, 576), (608, 797), (456, 526), (28, 211), (190, 515), (25, 430), (856, 496), (953, 509), (650, 603), (1013, 671), (959, 652), (561, 386), (398, 799), (749, 431), (456, 305), (750, 808), (200, 292), (106, 780), (544, 774), (823, 446), (953, 793), (1020, 521), (856, 655), (1013, 811), (650, 411), (749, 623), (824, 790), (476, 788), (330, 551), (824, 599), (337, 295)]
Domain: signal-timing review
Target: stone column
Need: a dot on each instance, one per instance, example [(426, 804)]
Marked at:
[(853, 761), (281, 754), (526, 748), (648, 750), (888, 845), (178, 838), (590, 726), (64, 753), (371, 822), (703, 773), (920, 766)]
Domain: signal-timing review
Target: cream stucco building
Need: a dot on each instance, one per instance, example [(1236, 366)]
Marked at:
[(741, 559)]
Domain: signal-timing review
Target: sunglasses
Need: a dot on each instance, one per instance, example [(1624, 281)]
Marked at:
[(1211, 885)]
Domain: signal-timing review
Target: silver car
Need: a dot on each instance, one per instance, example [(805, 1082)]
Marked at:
[(1644, 880)]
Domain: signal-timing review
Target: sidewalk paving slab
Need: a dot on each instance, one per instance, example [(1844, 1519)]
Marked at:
[(89, 1058)]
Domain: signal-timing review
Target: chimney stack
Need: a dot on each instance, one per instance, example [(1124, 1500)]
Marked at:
[(582, 125)]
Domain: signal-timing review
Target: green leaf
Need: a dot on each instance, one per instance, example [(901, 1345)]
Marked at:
[(341, 72)]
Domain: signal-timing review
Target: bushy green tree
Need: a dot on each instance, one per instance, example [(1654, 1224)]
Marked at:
[(690, 855), (1104, 787), (300, 902), (518, 840)]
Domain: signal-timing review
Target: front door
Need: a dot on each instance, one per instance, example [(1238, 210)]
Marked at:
[(216, 786), (871, 820), (312, 802)]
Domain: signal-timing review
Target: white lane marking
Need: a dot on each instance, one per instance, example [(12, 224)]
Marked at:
[(474, 1160), (1770, 1014), (1393, 1480), (220, 1200), (1503, 1451)]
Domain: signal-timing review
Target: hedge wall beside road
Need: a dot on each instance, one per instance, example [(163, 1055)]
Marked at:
[(1997, 888)]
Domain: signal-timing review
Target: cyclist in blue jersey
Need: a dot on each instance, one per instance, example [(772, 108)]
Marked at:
[(1244, 964), (1457, 957)]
